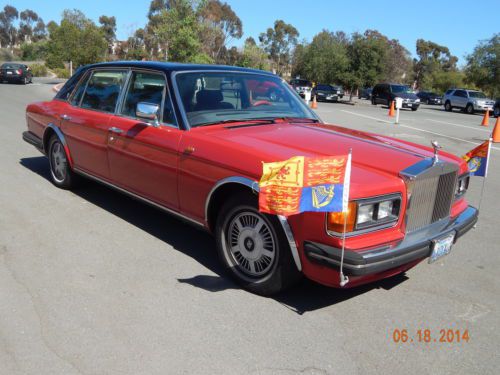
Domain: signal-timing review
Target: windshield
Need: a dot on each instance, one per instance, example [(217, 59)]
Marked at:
[(396, 89), (215, 97), (476, 94)]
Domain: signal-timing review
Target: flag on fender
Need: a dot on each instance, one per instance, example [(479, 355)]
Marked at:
[(478, 159), (318, 184)]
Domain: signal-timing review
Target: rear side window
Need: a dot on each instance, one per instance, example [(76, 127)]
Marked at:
[(103, 89), (68, 88), (460, 93), (146, 87)]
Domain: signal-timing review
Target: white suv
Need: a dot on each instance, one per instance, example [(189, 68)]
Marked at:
[(469, 101)]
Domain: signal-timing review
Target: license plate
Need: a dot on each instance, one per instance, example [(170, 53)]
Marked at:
[(441, 247), (9, 72)]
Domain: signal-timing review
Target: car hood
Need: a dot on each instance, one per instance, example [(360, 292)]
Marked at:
[(406, 95), (376, 159)]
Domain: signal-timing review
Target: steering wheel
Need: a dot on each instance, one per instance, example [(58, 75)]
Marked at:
[(261, 102)]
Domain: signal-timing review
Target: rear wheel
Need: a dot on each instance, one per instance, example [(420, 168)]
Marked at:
[(447, 106), (469, 109), (253, 247), (60, 171)]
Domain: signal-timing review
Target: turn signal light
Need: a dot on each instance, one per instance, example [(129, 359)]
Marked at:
[(335, 220)]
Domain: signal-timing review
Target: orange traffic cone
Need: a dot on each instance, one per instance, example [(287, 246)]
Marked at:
[(486, 118), (496, 132), (314, 104), (391, 109)]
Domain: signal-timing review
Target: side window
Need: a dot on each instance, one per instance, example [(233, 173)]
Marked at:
[(103, 89), (146, 87), (68, 88), (77, 96), (460, 93)]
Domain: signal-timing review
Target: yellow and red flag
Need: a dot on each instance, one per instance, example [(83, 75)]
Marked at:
[(302, 183), (478, 158)]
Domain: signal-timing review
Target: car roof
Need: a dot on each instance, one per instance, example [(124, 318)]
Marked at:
[(173, 66)]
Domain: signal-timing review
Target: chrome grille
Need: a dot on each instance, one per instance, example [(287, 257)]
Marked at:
[(431, 194)]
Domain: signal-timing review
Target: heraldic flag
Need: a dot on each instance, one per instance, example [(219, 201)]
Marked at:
[(478, 158), (299, 184)]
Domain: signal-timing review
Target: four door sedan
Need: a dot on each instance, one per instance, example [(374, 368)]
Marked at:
[(12, 72), (191, 140)]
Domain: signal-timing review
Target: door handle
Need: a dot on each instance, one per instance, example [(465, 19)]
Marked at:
[(115, 130), (65, 117)]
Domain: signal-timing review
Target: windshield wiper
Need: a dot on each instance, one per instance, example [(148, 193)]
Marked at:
[(259, 121)]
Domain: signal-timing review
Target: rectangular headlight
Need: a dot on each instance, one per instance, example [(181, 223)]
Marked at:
[(378, 211)]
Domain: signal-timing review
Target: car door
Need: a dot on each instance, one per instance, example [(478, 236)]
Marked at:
[(143, 154), (85, 122), (459, 99)]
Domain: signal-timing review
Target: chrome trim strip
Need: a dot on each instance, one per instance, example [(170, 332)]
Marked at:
[(138, 197), (252, 184)]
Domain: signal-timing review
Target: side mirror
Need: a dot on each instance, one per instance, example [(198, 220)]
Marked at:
[(148, 111)]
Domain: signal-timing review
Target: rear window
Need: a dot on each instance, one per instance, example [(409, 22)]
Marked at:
[(11, 66)]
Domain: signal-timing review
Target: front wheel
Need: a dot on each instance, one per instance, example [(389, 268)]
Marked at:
[(469, 109), (414, 109), (60, 171), (447, 106), (253, 247)]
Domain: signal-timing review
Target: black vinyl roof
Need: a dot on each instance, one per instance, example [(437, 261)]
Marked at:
[(173, 66)]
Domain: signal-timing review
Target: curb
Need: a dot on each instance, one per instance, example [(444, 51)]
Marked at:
[(58, 87)]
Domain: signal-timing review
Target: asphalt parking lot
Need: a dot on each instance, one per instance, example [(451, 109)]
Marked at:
[(92, 282)]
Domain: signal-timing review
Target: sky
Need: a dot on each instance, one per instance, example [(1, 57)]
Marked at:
[(457, 24)]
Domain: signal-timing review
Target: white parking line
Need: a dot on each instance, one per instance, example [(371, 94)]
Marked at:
[(462, 126), (418, 129)]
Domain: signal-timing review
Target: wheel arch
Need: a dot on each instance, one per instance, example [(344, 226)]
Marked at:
[(238, 184), (50, 130)]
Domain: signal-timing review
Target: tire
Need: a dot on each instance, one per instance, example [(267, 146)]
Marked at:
[(241, 247), (414, 109), (469, 109), (496, 111), (60, 171), (447, 106)]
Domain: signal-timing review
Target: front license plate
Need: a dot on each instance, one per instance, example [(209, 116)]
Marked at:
[(441, 247), (9, 72)]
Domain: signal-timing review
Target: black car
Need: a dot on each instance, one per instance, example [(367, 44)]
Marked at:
[(428, 97), (496, 108), (385, 93), (325, 93), (301, 86), (12, 72), (365, 93)]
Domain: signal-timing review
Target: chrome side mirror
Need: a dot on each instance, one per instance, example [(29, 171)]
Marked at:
[(149, 112)]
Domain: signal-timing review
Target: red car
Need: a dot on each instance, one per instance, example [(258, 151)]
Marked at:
[(169, 135)]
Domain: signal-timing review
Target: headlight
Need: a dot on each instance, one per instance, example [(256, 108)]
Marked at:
[(417, 100), (366, 214), (462, 185)]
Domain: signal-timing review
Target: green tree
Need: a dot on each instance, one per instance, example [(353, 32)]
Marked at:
[(108, 27), (253, 56), (39, 31), (483, 66), (433, 59), (8, 32), (219, 26), (26, 25), (278, 42), (76, 39)]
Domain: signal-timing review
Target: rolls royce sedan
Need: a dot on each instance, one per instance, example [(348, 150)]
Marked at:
[(191, 140)]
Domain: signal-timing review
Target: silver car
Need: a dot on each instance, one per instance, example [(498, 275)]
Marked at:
[(469, 101)]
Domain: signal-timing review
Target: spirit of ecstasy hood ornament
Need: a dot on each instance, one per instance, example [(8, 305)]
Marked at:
[(436, 146)]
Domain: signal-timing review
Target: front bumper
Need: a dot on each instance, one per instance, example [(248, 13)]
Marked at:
[(11, 78), (481, 107), (414, 247), (411, 105)]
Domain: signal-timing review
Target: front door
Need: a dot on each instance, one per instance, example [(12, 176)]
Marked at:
[(143, 154)]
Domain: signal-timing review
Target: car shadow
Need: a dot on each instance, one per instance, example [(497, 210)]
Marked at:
[(200, 246)]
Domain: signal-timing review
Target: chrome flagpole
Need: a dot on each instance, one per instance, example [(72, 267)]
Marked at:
[(345, 206), (485, 175)]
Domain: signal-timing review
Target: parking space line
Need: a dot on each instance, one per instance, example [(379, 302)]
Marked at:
[(418, 129), (462, 126)]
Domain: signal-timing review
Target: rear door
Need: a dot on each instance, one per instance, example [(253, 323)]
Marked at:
[(85, 123), (143, 156), (459, 99)]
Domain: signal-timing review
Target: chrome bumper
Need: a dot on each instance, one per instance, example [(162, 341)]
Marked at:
[(416, 245)]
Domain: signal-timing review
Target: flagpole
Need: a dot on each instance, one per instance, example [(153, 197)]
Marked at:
[(345, 208), (485, 176)]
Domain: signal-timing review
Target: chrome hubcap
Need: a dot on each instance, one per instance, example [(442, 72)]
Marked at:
[(251, 244), (58, 161)]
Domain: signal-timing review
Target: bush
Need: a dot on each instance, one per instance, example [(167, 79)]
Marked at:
[(34, 51), (6, 55), (39, 70), (61, 72)]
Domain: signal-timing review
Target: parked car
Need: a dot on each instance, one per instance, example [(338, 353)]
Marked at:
[(496, 108), (365, 93), (12, 72), (385, 93), (428, 97), (339, 90), (325, 93), (469, 101), (301, 86), (166, 134)]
